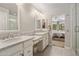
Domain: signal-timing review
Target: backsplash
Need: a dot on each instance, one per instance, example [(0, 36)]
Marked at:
[(5, 35)]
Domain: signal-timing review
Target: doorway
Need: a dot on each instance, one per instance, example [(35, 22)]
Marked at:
[(58, 31)]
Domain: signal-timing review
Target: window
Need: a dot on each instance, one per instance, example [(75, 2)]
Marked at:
[(58, 23), (54, 26), (61, 26)]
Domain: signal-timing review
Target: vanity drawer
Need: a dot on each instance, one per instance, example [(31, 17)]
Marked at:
[(28, 51), (28, 43)]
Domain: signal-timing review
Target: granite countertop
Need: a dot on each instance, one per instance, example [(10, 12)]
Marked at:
[(16, 40)]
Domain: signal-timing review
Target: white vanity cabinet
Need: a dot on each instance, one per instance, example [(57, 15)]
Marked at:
[(20, 50), (12, 50), (28, 48), (43, 44), (45, 41), (18, 47), (28, 51)]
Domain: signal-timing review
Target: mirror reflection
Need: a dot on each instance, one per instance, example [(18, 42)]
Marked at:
[(8, 17), (12, 21)]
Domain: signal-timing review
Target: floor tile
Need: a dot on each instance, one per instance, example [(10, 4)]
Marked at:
[(56, 51)]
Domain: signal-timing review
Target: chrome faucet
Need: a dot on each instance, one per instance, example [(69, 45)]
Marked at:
[(11, 35)]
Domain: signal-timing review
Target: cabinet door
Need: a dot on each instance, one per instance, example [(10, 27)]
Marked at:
[(46, 39), (44, 43), (8, 51), (11, 50), (28, 51), (28, 43), (20, 53)]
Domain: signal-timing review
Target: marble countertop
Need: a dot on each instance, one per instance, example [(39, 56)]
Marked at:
[(37, 39), (16, 40), (40, 33), (9, 42)]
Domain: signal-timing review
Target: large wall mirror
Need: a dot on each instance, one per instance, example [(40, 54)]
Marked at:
[(12, 21), (8, 17), (38, 24)]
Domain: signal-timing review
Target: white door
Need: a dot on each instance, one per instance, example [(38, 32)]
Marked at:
[(67, 30)]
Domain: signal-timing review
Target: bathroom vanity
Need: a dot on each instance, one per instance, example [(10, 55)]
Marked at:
[(19, 46), (44, 43)]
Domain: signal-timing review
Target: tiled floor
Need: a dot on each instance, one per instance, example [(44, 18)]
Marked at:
[(56, 51)]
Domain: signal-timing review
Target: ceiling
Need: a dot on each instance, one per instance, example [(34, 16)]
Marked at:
[(48, 9), (10, 6), (52, 9)]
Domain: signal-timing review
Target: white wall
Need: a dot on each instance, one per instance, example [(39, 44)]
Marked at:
[(26, 18)]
